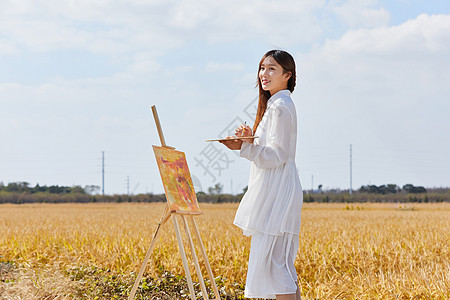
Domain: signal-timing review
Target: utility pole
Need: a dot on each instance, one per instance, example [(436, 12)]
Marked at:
[(128, 185), (103, 172), (350, 169), (312, 183)]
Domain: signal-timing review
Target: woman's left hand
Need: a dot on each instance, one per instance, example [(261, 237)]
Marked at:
[(232, 144)]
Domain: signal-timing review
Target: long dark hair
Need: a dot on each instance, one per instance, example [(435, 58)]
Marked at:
[(286, 61)]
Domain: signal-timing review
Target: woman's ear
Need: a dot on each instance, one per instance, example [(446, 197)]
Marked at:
[(288, 75)]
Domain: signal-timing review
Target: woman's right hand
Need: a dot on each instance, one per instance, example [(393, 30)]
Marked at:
[(244, 131)]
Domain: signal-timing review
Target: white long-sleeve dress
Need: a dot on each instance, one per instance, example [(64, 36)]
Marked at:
[(270, 210)]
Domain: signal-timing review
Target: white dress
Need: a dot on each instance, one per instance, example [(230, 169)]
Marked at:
[(270, 210)]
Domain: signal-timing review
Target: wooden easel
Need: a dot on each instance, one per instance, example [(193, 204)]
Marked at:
[(186, 217)]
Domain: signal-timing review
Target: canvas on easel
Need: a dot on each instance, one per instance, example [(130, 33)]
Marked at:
[(182, 202), (177, 180)]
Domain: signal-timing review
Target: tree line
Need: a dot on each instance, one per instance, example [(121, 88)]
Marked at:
[(22, 192), (24, 187), (392, 189)]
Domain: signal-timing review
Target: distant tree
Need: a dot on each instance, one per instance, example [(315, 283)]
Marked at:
[(91, 189), (55, 189), (37, 188), (409, 188), (382, 189), (421, 189), (320, 188), (371, 189), (392, 188), (77, 189), (19, 187), (216, 190)]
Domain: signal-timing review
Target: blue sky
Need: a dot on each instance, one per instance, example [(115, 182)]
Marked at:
[(78, 78)]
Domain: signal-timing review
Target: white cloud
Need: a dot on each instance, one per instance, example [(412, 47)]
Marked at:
[(188, 15), (118, 29), (384, 88), (425, 33), (100, 26), (409, 60), (360, 13), (115, 28), (227, 66), (7, 48), (282, 24), (145, 63)]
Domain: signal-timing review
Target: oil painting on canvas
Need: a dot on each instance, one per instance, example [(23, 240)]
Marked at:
[(177, 180)]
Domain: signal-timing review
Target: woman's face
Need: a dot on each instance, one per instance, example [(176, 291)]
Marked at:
[(272, 77)]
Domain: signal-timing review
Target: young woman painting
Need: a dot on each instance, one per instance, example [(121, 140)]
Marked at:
[(270, 210)]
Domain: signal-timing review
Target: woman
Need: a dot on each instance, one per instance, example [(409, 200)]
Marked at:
[(270, 210)]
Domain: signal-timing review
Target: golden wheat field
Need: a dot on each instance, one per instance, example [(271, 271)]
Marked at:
[(347, 251)]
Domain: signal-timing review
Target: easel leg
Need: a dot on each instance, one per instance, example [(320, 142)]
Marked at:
[(194, 256), (164, 217), (205, 257), (144, 265), (183, 257)]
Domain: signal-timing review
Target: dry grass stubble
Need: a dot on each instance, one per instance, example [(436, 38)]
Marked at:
[(368, 251)]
